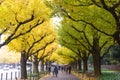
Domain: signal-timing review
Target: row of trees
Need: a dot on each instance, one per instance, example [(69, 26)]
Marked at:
[(88, 27), (26, 27)]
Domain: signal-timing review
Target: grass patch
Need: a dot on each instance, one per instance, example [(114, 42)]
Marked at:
[(32, 75), (36, 75), (106, 75), (110, 75)]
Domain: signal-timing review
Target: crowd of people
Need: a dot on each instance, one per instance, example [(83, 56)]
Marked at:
[(54, 69)]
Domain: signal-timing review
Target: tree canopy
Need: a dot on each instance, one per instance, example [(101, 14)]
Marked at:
[(87, 23), (20, 17)]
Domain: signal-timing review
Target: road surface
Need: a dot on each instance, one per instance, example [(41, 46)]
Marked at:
[(61, 76)]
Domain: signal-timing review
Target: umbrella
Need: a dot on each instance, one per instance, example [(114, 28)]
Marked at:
[(55, 64)]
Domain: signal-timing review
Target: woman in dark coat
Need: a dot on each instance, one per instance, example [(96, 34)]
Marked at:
[(56, 71), (69, 69)]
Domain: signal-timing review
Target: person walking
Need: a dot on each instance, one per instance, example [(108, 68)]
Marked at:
[(49, 69), (69, 69), (56, 71), (52, 70)]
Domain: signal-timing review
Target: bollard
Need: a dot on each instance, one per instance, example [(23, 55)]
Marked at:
[(15, 75), (1, 76), (30, 76), (15, 78), (33, 77), (6, 76), (11, 75), (19, 74), (30, 73)]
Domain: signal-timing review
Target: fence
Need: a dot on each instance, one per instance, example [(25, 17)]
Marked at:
[(111, 67), (14, 74), (10, 75)]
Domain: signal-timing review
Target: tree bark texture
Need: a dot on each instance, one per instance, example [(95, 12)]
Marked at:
[(42, 65), (23, 66), (36, 67), (79, 65), (85, 66), (96, 57)]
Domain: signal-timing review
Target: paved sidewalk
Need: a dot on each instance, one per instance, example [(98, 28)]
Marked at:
[(61, 76)]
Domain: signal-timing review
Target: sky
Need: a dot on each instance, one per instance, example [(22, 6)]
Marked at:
[(7, 56), (56, 20)]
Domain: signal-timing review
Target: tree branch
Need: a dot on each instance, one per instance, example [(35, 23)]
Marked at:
[(77, 40), (48, 53), (116, 5), (11, 37), (106, 52), (87, 40), (75, 44), (3, 31), (103, 44), (1, 2), (42, 47), (6, 29), (35, 42), (96, 3), (77, 20), (104, 5), (80, 4)]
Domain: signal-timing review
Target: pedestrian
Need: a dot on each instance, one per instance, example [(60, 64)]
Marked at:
[(56, 71), (49, 69), (69, 69), (52, 70), (62, 68)]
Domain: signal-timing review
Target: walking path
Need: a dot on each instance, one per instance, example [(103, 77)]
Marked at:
[(61, 76)]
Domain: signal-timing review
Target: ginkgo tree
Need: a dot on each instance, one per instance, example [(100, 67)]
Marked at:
[(47, 51), (65, 52), (81, 53), (113, 9), (41, 55), (107, 13), (86, 40), (19, 17), (74, 44), (93, 30), (63, 56), (32, 43)]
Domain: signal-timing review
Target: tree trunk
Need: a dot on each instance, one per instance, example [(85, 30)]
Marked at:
[(85, 66), (97, 64), (118, 30), (46, 64), (116, 35), (79, 65), (75, 65), (23, 66), (42, 65), (96, 57), (36, 67)]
